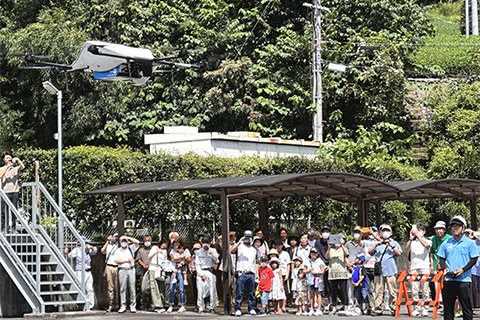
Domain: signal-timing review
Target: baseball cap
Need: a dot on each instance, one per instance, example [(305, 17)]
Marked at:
[(385, 227), (440, 224), (458, 220)]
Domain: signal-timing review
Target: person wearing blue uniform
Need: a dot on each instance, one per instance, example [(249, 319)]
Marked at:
[(457, 256)]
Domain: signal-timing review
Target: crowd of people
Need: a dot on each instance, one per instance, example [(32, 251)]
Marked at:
[(317, 273)]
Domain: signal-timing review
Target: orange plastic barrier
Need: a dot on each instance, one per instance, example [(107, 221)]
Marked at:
[(404, 280)]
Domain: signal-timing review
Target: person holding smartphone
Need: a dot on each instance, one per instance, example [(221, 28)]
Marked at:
[(9, 177)]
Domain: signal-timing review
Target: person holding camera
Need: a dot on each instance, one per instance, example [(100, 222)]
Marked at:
[(245, 272), (9, 177), (457, 256), (84, 262), (206, 261), (385, 252), (418, 248)]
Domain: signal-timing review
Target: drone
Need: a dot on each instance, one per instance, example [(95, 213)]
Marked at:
[(112, 62)]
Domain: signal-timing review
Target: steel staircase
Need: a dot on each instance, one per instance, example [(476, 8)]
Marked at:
[(32, 242)]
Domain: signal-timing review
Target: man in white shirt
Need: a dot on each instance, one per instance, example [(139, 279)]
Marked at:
[(206, 261), (246, 269), (419, 248), (111, 272), (125, 259), (83, 262)]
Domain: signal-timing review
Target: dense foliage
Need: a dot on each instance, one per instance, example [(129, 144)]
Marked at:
[(258, 66)]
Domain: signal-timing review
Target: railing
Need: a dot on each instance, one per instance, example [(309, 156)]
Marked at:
[(57, 229), (21, 245)]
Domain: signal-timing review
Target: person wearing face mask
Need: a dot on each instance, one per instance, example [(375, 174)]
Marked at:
[(355, 248), (83, 263), (125, 259), (160, 270), (141, 268), (245, 273), (303, 250), (111, 273), (385, 252), (322, 247), (418, 247), (457, 256), (206, 261)]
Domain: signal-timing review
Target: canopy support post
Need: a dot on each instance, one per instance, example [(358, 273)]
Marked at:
[(227, 272), (120, 214), (378, 214), (263, 218), (473, 213), (362, 218)]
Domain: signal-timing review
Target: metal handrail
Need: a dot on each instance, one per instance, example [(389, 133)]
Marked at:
[(66, 266), (32, 235), (66, 222)]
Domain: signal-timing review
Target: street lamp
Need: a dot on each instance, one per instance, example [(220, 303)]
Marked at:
[(47, 85)]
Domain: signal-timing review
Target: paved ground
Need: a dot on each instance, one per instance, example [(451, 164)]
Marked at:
[(192, 315)]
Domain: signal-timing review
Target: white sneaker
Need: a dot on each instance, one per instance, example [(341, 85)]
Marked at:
[(170, 309), (122, 309), (311, 312), (415, 313), (160, 310), (305, 313), (425, 312), (200, 310), (182, 309), (238, 313), (252, 312), (318, 312), (133, 309)]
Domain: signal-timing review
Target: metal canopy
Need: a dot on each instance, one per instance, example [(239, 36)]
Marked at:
[(345, 187)]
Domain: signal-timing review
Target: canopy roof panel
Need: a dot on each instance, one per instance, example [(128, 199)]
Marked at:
[(346, 187)]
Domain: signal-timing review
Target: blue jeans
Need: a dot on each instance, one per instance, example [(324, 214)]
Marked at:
[(245, 282), (174, 285)]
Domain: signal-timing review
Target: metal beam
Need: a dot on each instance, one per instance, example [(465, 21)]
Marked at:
[(227, 267)]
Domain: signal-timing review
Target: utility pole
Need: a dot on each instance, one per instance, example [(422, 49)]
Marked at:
[(474, 17), (317, 72), (467, 18)]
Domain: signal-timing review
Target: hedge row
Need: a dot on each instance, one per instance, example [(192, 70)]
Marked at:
[(90, 168)]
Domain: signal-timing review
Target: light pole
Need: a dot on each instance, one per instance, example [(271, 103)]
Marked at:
[(47, 85), (317, 68)]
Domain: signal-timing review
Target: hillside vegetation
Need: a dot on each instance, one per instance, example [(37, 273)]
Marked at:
[(447, 53)]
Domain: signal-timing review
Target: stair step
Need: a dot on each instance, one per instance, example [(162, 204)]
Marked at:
[(62, 303), (33, 254), (51, 273), (17, 244), (55, 293), (54, 283), (42, 263)]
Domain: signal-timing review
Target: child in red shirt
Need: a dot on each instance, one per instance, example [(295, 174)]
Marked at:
[(265, 281)]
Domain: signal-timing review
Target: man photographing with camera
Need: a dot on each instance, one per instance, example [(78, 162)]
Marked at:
[(9, 174), (457, 256)]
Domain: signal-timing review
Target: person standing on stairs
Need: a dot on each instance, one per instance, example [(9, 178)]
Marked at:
[(9, 174), (84, 264)]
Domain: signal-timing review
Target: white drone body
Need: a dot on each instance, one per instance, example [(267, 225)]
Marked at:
[(112, 62)]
